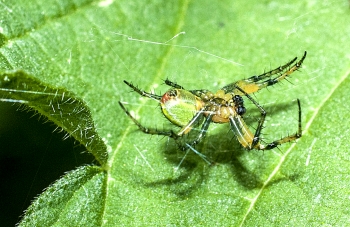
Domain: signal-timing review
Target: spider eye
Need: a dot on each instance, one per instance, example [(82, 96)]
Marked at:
[(238, 100), (172, 93), (241, 110)]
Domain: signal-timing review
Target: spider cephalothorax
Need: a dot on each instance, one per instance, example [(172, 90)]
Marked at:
[(190, 109)]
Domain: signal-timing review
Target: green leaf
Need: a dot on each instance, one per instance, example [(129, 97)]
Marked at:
[(58, 105), (87, 48), (64, 202)]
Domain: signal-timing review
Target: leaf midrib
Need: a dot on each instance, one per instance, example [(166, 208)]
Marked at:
[(160, 72)]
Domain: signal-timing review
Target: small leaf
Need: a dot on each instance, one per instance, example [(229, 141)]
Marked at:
[(80, 191), (58, 105)]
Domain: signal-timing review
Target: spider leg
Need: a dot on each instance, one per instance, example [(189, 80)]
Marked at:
[(143, 93), (244, 135), (199, 137), (287, 138), (241, 130), (255, 83), (203, 130), (178, 135), (277, 70), (198, 93), (151, 131), (285, 74), (250, 141), (188, 128), (199, 154), (173, 84)]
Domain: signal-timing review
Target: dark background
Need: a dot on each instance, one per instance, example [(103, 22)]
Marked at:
[(32, 156)]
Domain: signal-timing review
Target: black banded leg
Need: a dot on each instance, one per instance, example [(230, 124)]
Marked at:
[(188, 129), (151, 131), (287, 138), (203, 131), (143, 93), (256, 79), (199, 138), (256, 83), (277, 70), (174, 135), (256, 138), (173, 84), (283, 75)]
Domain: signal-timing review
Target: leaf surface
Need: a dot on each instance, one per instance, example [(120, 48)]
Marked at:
[(87, 48)]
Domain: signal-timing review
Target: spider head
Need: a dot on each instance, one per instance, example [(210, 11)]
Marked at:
[(238, 100)]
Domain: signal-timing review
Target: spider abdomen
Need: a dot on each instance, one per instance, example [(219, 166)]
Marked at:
[(179, 106)]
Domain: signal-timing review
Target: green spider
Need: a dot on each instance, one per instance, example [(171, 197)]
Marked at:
[(196, 109)]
